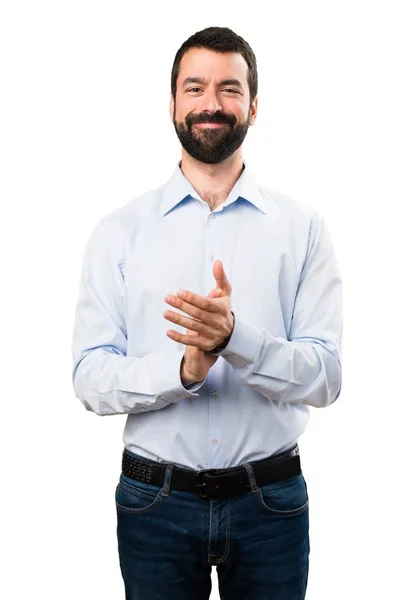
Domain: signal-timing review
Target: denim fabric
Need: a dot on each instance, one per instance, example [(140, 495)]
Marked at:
[(168, 540)]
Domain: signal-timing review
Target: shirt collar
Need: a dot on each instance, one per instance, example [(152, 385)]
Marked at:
[(179, 188)]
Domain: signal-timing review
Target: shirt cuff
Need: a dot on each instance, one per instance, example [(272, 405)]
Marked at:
[(244, 345), (193, 387), (165, 371)]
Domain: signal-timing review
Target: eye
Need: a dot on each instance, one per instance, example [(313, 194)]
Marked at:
[(230, 90), (192, 89)]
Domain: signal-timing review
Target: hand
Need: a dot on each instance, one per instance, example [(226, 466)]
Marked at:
[(196, 363), (212, 319)]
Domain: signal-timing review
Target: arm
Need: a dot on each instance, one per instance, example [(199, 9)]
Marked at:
[(306, 368), (106, 380)]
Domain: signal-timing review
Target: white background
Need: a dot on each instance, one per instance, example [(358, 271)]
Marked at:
[(84, 129)]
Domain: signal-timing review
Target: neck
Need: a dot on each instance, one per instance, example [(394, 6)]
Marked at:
[(212, 182)]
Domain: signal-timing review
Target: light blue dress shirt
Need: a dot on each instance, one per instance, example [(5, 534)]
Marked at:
[(284, 354)]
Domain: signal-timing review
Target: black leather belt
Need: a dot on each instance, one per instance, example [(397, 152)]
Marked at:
[(214, 483)]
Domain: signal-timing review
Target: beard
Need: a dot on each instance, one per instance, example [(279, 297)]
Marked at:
[(211, 145)]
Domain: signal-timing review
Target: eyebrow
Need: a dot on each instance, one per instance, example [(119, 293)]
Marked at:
[(234, 82)]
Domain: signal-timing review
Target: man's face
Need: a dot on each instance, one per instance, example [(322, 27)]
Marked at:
[(212, 112)]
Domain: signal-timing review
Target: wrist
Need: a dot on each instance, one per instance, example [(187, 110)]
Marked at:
[(185, 376), (224, 344)]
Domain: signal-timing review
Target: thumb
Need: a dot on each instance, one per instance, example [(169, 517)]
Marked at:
[(221, 278)]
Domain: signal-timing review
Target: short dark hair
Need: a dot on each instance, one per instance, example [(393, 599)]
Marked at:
[(218, 39)]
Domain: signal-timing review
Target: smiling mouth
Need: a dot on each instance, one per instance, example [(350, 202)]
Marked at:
[(210, 125)]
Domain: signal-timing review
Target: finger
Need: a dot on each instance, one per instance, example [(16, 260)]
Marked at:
[(209, 318), (190, 303), (216, 293), (191, 332), (189, 340), (188, 323)]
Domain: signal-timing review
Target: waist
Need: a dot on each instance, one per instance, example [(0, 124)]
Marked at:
[(195, 434), (212, 482)]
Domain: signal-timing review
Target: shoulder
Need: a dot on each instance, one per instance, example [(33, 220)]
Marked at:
[(288, 205), (293, 217), (125, 219)]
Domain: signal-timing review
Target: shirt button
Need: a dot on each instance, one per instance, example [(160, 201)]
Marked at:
[(215, 441), (212, 257), (215, 395)]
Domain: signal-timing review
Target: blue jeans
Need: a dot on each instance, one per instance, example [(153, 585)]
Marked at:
[(168, 540)]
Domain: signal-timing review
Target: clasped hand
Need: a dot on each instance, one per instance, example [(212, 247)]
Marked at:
[(210, 317)]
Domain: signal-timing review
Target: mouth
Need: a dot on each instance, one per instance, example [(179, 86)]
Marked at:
[(210, 125)]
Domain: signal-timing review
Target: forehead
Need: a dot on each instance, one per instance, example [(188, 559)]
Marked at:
[(201, 62)]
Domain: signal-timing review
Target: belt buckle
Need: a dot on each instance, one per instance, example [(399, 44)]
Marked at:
[(199, 485)]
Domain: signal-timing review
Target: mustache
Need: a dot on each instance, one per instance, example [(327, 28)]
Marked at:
[(218, 117)]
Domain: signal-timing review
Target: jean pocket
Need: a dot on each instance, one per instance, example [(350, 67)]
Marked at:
[(287, 498), (133, 496)]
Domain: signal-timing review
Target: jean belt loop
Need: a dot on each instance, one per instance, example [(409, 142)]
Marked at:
[(251, 477), (167, 480)]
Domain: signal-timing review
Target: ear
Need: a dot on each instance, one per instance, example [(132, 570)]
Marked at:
[(171, 109), (253, 110)]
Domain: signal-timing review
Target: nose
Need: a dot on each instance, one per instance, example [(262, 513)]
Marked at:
[(211, 101)]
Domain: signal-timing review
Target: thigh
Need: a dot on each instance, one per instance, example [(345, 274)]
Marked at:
[(161, 550), (269, 546)]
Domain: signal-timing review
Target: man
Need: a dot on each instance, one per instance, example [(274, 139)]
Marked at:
[(215, 402)]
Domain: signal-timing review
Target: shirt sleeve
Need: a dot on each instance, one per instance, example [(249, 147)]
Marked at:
[(306, 368), (105, 379)]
